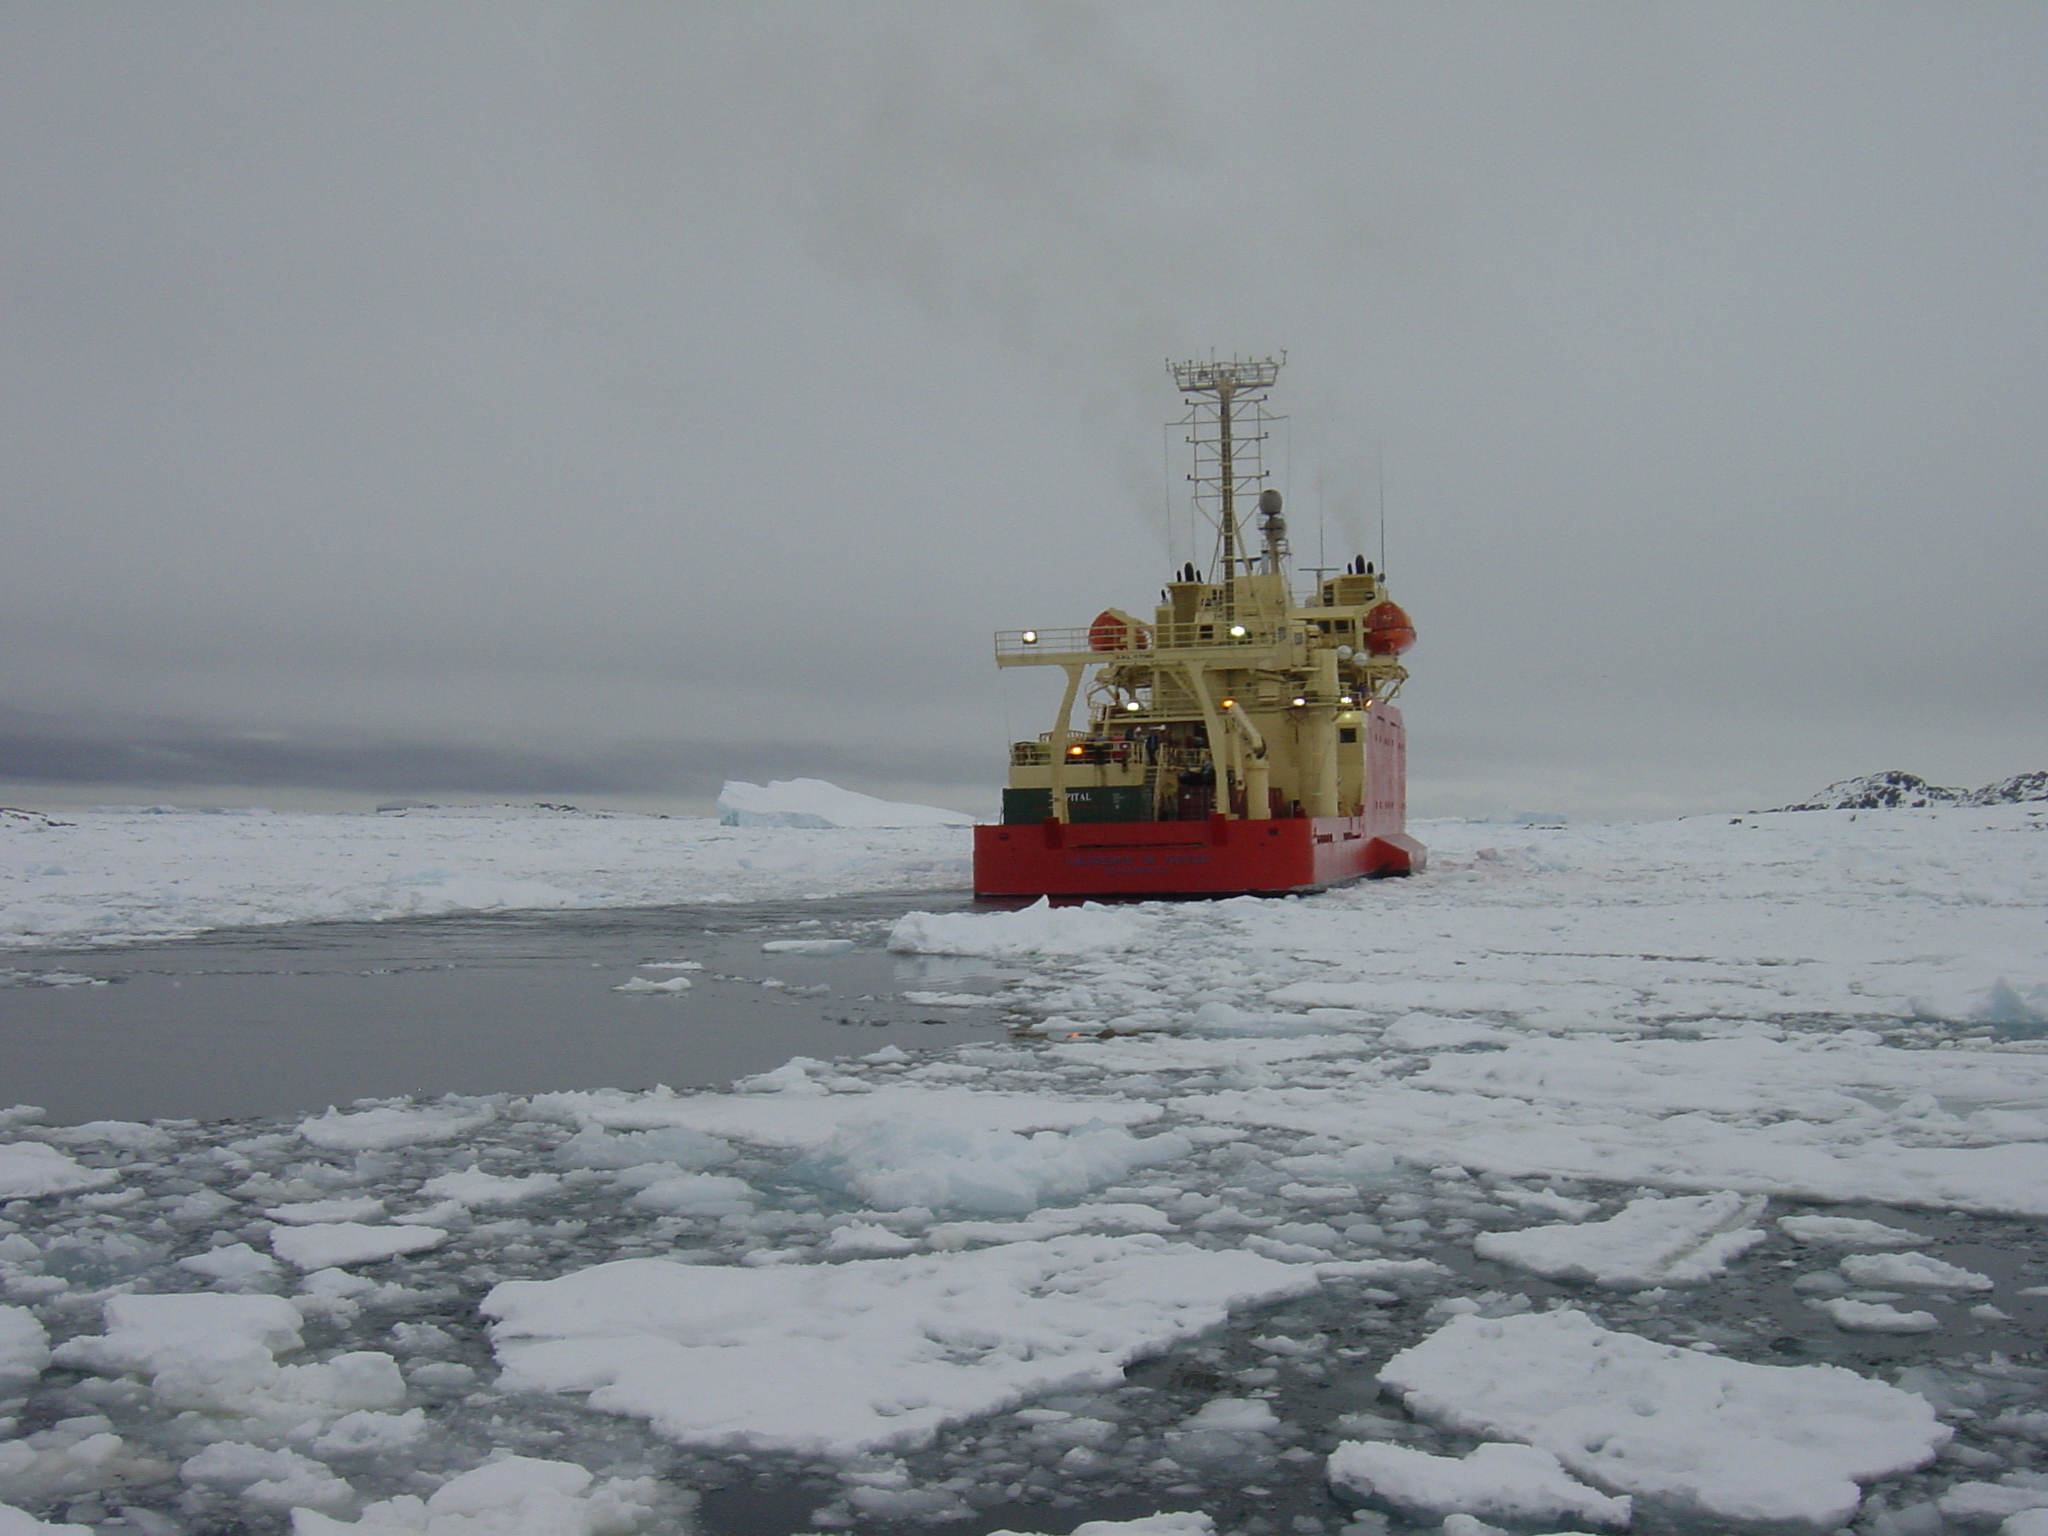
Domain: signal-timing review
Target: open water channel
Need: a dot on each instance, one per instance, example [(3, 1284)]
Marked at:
[(275, 1021)]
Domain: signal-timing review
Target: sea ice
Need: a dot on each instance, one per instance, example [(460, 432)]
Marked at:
[(1708, 1010), (19, 1522), (273, 1479), (1874, 1316), (1676, 1241), (1911, 1271), (675, 986), (890, 1164), (308, 1213), (1847, 1232), (216, 1354), (398, 1125), (24, 1348), (29, 1170), (799, 1112), (1692, 1432), (1039, 929), (1147, 1525), (231, 1263), (595, 1147), (127, 876), (515, 1496), (871, 1353), (340, 1244), (1495, 1481), (475, 1187)]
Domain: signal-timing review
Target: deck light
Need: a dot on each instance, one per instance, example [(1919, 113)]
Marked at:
[(1299, 701), (1230, 703), (1133, 706), (1031, 637), (1237, 631), (1075, 751)]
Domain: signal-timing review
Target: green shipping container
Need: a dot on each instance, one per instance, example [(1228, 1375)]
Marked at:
[(1085, 802)]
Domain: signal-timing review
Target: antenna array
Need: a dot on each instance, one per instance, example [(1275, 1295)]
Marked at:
[(1227, 423)]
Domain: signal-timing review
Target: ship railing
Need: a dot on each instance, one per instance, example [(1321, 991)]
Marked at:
[(1039, 754), (1128, 640)]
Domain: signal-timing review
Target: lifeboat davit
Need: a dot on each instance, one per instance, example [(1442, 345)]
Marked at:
[(1388, 630)]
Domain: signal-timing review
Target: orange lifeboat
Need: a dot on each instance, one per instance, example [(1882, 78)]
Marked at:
[(1388, 629), (1111, 631)]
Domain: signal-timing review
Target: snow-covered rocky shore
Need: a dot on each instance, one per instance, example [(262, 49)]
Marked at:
[(1684, 1176)]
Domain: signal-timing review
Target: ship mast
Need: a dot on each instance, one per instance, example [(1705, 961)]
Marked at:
[(1224, 397)]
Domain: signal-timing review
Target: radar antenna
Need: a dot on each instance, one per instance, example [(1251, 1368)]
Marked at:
[(1227, 421)]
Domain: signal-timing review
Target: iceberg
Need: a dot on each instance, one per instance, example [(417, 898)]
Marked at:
[(815, 803)]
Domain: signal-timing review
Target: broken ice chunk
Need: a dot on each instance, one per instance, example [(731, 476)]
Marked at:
[(395, 1125), (1652, 1242), (1191, 1523), (1875, 1317), (1496, 1481), (24, 1348), (1846, 1232), (343, 1243), (514, 1496), (1912, 1271), (19, 1522), (475, 1187), (29, 1170), (675, 986), (306, 1213), (235, 1262)]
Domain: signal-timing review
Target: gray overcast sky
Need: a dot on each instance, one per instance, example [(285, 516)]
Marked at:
[(599, 401)]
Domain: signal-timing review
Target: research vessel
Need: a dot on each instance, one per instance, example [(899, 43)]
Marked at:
[(1242, 740)]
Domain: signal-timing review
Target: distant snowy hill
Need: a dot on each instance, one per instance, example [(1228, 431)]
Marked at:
[(1887, 791)]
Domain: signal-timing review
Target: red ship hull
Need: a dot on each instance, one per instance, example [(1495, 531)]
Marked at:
[(1217, 857)]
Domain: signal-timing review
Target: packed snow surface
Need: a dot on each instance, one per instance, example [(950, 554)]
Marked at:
[(1695, 1167), (815, 803)]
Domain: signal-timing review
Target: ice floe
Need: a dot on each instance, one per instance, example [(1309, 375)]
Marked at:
[(1847, 1232), (29, 1170), (675, 986), (1912, 1271), (1673, 1241), (376, 1129), (515, 1496), (341, 1244), (1500, 1480), (1875, 1316), (1693, 1433), (869, 1353)]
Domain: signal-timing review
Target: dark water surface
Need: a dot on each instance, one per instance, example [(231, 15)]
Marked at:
[(288, 1019)]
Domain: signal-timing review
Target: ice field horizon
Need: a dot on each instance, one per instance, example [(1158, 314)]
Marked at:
[(1680, 1176)]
